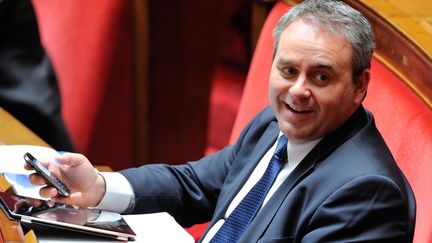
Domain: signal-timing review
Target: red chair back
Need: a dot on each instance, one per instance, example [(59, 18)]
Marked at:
[(90, 46)]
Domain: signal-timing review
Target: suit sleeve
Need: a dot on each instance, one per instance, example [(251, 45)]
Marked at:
[(188, 192), (367, 209)]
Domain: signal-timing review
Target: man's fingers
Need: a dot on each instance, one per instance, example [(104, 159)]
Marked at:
[(48, 192), (27, 166), (52, 193), (71, 159), (73, 199), (37, 180)]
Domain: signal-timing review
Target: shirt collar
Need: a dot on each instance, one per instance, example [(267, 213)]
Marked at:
[(298, 151)]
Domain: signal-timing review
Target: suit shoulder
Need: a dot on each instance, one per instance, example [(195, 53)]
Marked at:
[(265, 115)]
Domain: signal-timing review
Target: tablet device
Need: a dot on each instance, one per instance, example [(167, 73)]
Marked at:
[(40, 213)]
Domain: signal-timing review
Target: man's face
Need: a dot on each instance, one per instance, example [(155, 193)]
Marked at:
[(311, 88)]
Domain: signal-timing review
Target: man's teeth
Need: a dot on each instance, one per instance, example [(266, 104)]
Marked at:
[(296, 109), (299, 110)]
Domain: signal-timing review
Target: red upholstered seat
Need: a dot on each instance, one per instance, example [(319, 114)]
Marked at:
[(92, 57), (404, 120)]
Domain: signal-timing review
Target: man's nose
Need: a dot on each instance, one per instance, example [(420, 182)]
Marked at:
[(300, 88)]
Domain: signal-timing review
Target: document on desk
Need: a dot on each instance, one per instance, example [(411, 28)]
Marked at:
[(12, 166), (153, 228)]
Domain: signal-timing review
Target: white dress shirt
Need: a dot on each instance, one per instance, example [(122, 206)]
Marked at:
[(119, 193), (296, 153)]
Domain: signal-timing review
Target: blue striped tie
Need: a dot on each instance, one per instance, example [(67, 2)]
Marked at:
[(242, 216)]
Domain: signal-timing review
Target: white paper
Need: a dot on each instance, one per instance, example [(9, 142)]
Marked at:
[(12, 166), (12, 157), (157, 228), (22, 186)]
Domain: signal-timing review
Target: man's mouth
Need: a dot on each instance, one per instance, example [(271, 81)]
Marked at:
[(298, 109)]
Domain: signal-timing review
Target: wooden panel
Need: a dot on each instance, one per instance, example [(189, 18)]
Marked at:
[(14, 132), (183, 45), (4, 184), (10, 230), (407, 16), (142, 82), (404, 45)]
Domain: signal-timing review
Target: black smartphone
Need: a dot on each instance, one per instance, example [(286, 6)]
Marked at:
[(62, 189)]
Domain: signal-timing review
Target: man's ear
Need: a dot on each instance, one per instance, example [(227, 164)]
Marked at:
[(362, 86)]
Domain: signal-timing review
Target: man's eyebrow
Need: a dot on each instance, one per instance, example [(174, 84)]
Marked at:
[(284, 61), (318, 65), (323, 66)]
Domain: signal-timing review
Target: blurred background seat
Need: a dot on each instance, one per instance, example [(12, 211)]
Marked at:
[(136, 77)]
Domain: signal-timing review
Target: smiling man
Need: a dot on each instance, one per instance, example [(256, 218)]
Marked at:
[(310, 168), (311, 86)]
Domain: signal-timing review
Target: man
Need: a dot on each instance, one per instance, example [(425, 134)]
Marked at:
[(335, 180)]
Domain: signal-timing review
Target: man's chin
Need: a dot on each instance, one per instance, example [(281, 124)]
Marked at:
[(296, 135)]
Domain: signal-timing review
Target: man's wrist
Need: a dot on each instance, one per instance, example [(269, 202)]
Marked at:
[(118, 195), (100, 188)]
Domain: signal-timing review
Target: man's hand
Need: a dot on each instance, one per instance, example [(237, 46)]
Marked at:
[(75, 170)]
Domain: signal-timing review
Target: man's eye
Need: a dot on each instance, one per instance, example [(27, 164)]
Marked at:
[(321, 78), (289, 71)]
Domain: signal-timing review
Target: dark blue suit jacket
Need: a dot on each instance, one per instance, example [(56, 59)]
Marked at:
[(347, 189)]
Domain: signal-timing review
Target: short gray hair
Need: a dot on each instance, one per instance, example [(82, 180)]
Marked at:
[(338, 18)]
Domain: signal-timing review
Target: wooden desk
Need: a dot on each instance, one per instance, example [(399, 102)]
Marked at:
[(14, 132)]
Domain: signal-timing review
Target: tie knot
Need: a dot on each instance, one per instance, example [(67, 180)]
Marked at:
[(281, 148)]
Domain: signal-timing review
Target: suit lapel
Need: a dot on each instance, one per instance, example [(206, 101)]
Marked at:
[(250, 161), (267, 213)]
